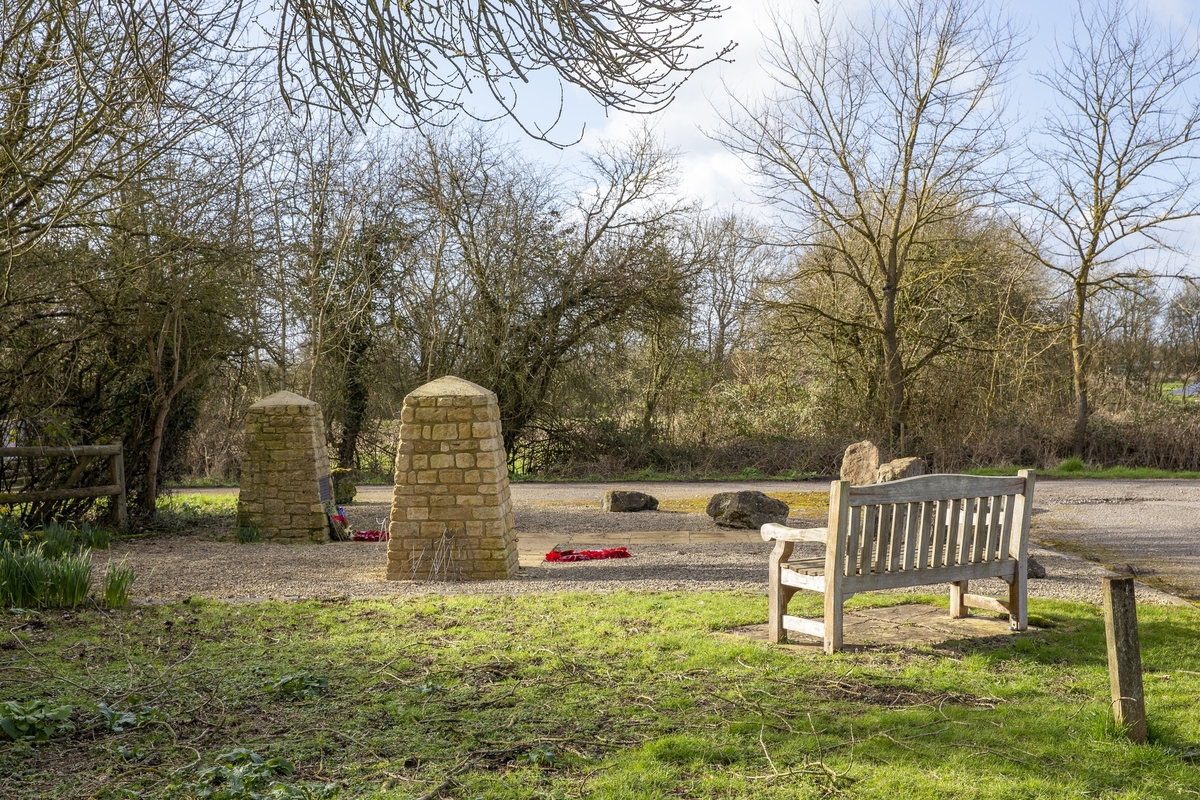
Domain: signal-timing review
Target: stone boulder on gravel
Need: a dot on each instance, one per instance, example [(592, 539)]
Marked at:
[(618, 500), (749, 510), (860, 463), (900, 468)]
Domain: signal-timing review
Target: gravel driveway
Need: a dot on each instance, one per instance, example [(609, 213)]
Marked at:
[(674, 551)]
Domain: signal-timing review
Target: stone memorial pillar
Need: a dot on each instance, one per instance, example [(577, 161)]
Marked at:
[(286, 492), (451, 510)]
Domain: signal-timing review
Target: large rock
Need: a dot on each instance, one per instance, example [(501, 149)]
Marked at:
[(746, 510), (617, 500), (900, 468), (860, 464)]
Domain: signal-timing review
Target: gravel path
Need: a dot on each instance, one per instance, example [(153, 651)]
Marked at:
[(184, 566)]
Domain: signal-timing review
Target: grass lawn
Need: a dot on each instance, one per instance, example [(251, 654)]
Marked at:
[(617, 696), (1074, 468)]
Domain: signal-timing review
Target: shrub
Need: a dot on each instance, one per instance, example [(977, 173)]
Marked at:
[(24, 575), (1072, 465), (119, 721), (94, 537), (242, 773), (344, 489), (31, 579), (57, 540), (247, 534), (69, 580), (298, 685), (115, 585), (37, 719), (11, 530)]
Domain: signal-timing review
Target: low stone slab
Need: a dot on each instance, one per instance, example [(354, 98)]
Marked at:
[(900, 468), (618, 500), (746, 510), (893, 626), (860, 463)]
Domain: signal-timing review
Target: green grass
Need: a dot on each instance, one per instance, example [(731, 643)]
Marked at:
[(183, 512), (570, 696), (1074, 468), (198, 504)]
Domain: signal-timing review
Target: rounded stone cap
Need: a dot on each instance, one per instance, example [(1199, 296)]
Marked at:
[(284, 398), (451, 386)]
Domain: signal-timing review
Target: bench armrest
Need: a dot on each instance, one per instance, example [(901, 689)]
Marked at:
[(773, 532)]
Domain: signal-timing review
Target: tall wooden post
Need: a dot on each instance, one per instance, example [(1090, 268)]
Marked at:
[(116, 471), (1124, 657)]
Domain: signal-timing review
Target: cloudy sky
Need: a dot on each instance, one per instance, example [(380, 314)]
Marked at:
[(708, 171)]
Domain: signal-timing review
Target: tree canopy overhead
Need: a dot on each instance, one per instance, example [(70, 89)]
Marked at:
[(430, 56)]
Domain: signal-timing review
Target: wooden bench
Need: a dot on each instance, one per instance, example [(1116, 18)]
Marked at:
[(912, 532)]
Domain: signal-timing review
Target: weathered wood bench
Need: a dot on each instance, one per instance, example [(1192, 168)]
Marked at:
[(912, 532)]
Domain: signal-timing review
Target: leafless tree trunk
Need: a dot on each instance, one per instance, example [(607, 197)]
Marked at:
[(1118, 164), (876, 138)]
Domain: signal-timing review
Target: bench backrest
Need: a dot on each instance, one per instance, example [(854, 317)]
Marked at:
[(930, 522)]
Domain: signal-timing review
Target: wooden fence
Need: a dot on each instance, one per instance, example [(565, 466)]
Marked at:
[(85, 454)]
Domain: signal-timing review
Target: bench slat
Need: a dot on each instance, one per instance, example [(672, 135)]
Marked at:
[(887, 517), (967, 543), (798, 580), (959, 572), (1006, 527), (981, 530), (896, 541), (933, 487), (774, 532), (870, 531), (925, 536), (912, 526), (808, 627), (853, 531), (985, 602), (954, 531), (997, 519), (938, 544)]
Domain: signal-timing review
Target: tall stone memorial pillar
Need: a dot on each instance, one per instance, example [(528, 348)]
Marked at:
[(451, 501), (286, 492)]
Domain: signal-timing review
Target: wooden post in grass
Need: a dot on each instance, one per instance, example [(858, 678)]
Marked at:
[(1124, 657)]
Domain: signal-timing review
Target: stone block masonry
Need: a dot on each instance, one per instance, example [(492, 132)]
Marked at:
[(286, 492), (451, 510)]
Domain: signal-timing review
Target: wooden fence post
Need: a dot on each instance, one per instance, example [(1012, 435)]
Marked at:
[(116, 471), (1124, 657)]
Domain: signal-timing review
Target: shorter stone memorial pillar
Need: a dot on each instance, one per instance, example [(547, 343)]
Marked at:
[(286, 491), (451, 511)]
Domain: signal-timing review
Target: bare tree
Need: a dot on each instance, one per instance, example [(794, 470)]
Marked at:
[(876, 137), (1119, 162), (512, 278), (430, 56), (1182, 339), (90, 94)]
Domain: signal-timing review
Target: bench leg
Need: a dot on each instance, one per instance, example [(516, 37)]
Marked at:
[(1018, 602), (778, 594), (833, 618), (958, 609)]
